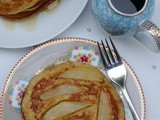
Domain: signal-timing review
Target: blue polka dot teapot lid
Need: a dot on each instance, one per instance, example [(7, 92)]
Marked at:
[(128, 18)]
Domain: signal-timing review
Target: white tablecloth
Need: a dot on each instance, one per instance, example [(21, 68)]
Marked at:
[(145, 63)]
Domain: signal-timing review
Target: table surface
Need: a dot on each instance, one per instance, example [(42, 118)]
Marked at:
[(144, 62)]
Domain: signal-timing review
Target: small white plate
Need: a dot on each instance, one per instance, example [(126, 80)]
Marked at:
[(76, 49), (41, 27)]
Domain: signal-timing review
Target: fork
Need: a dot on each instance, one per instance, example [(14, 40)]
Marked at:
[(116, 71)]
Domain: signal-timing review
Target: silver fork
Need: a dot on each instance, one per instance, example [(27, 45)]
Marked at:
[(116, 71)]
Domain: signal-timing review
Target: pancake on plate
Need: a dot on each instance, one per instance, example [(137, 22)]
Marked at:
[(71, 91), (18, 9)]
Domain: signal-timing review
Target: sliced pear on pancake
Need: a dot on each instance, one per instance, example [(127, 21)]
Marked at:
[(104, 112), (58, 91), (63, 109), (71, 91), (83, 72), (88, 113)]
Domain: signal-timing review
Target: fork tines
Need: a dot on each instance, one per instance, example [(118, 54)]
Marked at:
[(108, 57)]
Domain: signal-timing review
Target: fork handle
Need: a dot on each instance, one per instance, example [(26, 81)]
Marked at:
[(130, 104)]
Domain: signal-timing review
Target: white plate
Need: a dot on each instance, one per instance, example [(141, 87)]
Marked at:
[(45, 55), (42, 27)]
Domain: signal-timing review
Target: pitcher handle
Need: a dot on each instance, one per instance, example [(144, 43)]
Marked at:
[(149, 35)]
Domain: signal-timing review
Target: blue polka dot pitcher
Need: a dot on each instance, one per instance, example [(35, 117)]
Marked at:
[(128, 18)]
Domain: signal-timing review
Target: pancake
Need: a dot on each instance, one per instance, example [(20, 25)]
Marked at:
[(66, 92), (15, 6), (40, 6), (28, 11)]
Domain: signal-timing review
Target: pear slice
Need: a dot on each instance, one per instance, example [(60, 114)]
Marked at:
[(83, 72), (104, 108), (59, 90), (63, 109), (87, 113)]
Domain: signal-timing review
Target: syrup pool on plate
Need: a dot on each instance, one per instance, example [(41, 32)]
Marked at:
[(30, 23)]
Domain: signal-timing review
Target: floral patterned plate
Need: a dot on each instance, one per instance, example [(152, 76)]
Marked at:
[(74, 49)]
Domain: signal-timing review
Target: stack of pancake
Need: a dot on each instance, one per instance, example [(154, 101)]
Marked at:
[(17, 9), (71, 91)]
